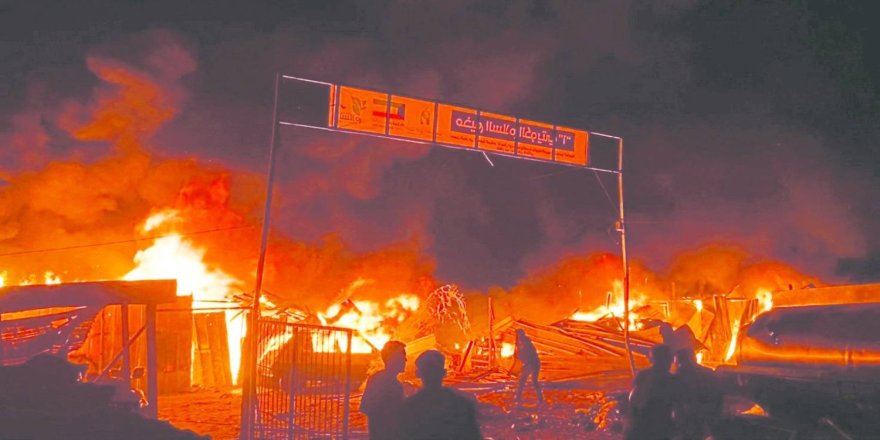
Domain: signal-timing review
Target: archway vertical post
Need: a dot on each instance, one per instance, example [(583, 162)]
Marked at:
[(621, 228), (249, 383)]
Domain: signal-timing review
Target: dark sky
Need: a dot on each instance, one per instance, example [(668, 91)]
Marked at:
[(753, 123)]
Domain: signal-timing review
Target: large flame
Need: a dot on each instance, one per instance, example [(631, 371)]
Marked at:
[(614, 307), (373, 323), (174, 257)]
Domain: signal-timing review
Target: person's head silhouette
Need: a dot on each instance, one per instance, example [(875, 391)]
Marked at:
[(661, 357), (394, 356), (431, 368), (685, 358)]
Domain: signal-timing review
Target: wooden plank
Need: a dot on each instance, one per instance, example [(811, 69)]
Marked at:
[(202, 350), (219, 349), (174, 335)]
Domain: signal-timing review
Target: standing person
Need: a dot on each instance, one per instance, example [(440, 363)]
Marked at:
[(701, 397), (531, 366), (436, 412), (383, 396), (653, 399)]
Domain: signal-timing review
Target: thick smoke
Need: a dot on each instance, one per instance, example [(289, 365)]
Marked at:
[(157, 134)]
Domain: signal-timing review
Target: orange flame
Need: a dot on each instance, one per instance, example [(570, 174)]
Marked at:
[(614, 308), (765, 299), (731, 349), (373, 322), (173, 257), (507, 349)]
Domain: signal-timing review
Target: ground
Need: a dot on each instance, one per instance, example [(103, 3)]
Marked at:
[(566, 415)]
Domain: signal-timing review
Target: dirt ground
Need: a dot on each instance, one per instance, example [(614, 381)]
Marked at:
[(570, 412)]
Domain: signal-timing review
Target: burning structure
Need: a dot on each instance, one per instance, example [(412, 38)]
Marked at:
[(134, 215)]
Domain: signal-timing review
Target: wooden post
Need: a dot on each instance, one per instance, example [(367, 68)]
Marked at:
[(491, 335), (126, 345), (152, 367)]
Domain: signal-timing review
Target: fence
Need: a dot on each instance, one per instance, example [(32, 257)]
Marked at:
[(303, 382)]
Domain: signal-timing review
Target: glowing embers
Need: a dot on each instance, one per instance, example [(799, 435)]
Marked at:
[(373, 322)]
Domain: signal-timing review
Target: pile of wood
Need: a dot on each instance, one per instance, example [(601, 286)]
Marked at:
[(569, 350)]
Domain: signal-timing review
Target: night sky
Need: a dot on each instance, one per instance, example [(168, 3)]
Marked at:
[(754, 124)]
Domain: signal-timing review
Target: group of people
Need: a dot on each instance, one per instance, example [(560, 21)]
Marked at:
[(434, 412), (683, 405)]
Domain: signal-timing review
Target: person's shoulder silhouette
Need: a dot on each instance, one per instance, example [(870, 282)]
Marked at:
[(436, 412), (383, 395), (653, 398)]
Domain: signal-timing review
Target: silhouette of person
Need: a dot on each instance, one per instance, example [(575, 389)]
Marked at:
[(653, 399), (383, 395), (531, 366), (701, 399), (436, 412)]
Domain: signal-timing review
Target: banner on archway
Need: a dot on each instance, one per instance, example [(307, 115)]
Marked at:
[(401, 117)]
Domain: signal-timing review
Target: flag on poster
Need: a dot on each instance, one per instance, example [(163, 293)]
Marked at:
[(411, 118)]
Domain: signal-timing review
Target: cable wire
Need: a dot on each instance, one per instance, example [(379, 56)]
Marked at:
[(133, 240)]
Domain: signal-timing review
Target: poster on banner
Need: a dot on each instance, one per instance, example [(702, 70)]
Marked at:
[(362, 110), (497, 133), (535, 140), (570, 146), (456, 126), (411, 118)]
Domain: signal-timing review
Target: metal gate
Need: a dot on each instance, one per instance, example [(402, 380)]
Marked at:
[(303, 382)]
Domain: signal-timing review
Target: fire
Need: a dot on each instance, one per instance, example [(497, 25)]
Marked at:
[(174, 257), (2, 278), (734, 333), (698, 303), (613, 308), (372, 322), (507, 349), (158, 219), (765, 299), (51, 278)]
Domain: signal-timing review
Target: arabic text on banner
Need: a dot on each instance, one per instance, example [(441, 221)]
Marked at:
[(497, 133), (456, 125)]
